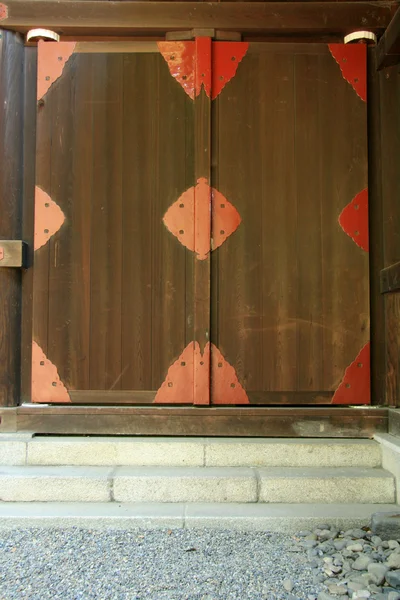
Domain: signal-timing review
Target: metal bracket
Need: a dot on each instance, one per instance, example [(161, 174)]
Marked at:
[(13, 253)]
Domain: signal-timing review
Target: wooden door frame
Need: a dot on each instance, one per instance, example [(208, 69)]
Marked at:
[(95, 20)]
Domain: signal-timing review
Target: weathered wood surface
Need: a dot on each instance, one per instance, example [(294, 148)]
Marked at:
[(390, 153), (291, 288), (87, 16), (11, 188), (388, 48), (378, 360), (111, 286), (390, 279), (253, 422)]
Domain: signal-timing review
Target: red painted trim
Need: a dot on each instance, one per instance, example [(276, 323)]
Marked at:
[(52, 57), (203, 63), (184, 383), (48, 218), (225, 386), (354, 220), (3, 12), (226, 59), (188, 219), (46, 383), (355, 387), (352, 60)]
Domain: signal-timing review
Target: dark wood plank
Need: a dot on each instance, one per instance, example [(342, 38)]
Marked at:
[(112, 397), (274, 17), (11, 191), (60, 350), (253, 422), (292, 398), (388, 48), (30, 67), (390, 278), (376, 256), (392, 313)]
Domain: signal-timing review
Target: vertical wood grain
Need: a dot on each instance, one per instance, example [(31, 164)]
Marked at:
[(11, 190)]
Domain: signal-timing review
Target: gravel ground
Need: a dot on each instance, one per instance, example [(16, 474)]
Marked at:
[(154, 565)]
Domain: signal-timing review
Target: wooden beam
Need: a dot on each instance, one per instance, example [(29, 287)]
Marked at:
[(390, 278), (192, 421), (82, 17), (11, 184), (388, 48)]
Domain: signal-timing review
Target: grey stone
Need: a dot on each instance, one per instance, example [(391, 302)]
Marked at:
[(304, 533), (355, 547), (337, 590), (288, 585), (393, 544), (361, 594), (393, 578), (355, 586), (386, 525), (393, 596), (359, 533), (340, 544), (377, 572), (376, 540), (361, 563), (311, 536), (309, 544), (325, 596), (375, 588), (393, 561)]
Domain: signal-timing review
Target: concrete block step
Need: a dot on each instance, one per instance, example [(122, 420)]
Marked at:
[(285, 518), (18, 449), (195, 484)]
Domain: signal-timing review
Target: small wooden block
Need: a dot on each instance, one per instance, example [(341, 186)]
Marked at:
[(12, 253)]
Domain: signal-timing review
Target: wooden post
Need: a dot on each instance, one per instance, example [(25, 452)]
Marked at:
[(11, 182)]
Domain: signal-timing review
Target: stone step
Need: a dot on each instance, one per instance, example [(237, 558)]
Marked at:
[(285, 518), (195, 452), (196, 484)]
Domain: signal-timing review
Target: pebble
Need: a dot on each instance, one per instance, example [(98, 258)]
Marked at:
[(288, 585), (339, 590), (393, 578), (361, 594), (377, 572), (355, 547), (361, 563), (393, 561)]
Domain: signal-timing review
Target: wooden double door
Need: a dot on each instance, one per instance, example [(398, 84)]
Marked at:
[(201, 224)]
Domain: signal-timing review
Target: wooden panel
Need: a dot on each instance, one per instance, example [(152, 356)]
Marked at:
[(388, 49), (274, 17), (390, 278), (29, 143), (263, 422), (11, 182), (115, 150), (291, 287), (392, 309), (376, 233)]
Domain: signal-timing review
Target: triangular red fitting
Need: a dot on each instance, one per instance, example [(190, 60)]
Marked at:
[(189, 63), (52, 57), (46, 383), (354, 220), (48, 218), (186, 372), (352, 60), (189, 219), (355, 387)]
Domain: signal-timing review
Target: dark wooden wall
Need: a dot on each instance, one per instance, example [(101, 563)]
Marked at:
[(11, 189), (385, 232)]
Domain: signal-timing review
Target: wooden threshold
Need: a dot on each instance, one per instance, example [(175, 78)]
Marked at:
[(191, 421), (85, 17)]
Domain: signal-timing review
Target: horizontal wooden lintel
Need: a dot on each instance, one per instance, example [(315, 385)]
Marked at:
[(82, 17), (390, 278), (192, 421)]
